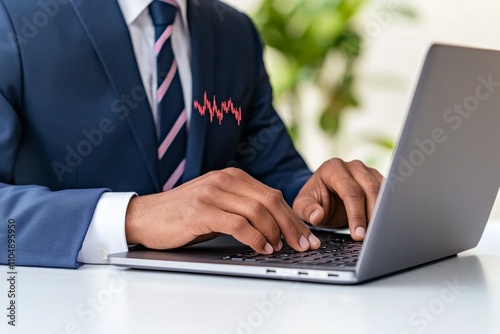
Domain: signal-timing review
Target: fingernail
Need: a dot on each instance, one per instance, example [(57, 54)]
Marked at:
[(304, 244), (268, 248), (360, 231), (280, 245), (313, 240), (314, 214)]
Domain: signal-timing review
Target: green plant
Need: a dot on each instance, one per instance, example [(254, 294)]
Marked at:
[(306, 34)]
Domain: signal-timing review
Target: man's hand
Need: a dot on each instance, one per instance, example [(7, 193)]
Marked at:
[(340, 193), (227, 201)]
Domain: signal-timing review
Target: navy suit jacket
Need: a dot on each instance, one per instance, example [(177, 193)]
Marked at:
[(75, 121)]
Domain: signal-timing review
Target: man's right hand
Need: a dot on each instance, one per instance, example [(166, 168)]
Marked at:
[(227, 201)]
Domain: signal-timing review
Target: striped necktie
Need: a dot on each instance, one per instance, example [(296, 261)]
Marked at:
[(172, 113)]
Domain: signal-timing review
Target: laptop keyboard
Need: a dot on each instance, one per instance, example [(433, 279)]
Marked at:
[(334, 252)]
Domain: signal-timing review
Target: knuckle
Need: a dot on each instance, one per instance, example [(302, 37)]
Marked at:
[(197, 206), (358, 217), (234, 171), (335, 163), (351, 188), (205, 192), (237, 225), (231, 170), (212, 173), (275, 197), (357, 164), (373, 189), (221, 178), (294, 228), (355, 193), (257, 208)]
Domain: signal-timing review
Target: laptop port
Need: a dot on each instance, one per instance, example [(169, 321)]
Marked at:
[(270, 271)]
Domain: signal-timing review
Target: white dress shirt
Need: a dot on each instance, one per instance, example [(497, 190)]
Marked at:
[(106, 233)]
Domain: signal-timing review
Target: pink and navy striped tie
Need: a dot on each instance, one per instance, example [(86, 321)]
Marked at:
[(171, 109)]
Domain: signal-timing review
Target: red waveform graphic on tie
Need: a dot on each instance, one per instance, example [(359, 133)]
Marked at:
[(214, 110)]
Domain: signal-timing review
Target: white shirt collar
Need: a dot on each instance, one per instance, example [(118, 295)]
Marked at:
[(131, 9)]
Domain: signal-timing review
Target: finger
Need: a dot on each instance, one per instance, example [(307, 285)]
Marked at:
[(340, 180), (307, 239), (368, 182), (313, 202), (238, 227), (255, 213), (377, 175), (211, 197), (309, 209), (296, 233)]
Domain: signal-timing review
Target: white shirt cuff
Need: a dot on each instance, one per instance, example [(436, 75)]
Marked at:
[(106, 233)]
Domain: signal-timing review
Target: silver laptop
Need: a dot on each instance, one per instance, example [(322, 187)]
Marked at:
[(434, 203)]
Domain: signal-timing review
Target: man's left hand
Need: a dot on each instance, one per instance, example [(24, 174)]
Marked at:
[(338, 194)]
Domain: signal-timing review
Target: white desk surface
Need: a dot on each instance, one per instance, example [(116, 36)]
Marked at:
[(459, 295)]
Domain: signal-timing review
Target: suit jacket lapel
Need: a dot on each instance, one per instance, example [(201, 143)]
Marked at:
[(109, 34), (202, 66)]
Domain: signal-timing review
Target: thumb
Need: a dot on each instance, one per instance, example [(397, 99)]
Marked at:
[(308, 209)]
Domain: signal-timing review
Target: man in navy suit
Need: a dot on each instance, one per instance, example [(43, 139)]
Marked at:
[(82, 154)]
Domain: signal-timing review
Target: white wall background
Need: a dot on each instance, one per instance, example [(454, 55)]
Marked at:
[(394, 51)]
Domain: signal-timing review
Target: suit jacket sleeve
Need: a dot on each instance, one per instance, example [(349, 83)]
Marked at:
[(268, 152), (50, 226)]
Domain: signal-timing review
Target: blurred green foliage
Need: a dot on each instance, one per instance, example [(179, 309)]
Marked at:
[(306, 33)]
